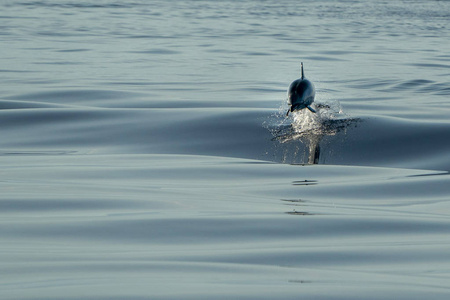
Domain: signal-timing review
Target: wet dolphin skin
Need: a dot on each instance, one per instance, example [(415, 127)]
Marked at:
[(301, 94)]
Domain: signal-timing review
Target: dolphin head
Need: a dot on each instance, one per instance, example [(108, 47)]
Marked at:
[(301, 94)]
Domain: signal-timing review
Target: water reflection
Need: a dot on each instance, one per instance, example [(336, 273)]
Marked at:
[(314, 150)]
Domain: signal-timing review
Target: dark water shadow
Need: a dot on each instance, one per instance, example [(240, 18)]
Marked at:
[(298, 213), (35, 153), (295, 203)]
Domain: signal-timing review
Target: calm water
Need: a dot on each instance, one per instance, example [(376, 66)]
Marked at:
[(146, 154)]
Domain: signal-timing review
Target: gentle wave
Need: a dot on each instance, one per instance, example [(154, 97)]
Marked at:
[(145, 150), (157, 215), (232, 132)]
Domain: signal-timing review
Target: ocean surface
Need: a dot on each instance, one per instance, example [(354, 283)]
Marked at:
[(145, 151)]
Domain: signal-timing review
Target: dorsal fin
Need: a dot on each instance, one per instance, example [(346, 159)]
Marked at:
[(303, 74)]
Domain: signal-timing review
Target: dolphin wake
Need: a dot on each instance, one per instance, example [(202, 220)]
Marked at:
[(299, 139), (328, 120)]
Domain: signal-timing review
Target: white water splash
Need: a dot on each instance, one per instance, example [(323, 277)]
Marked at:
[(306, 122), (301, 133)]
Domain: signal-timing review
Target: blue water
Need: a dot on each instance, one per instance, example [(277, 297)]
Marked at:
[(146, 154)]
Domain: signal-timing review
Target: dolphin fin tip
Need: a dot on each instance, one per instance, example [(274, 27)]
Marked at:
[(311, 109), (303, 74)]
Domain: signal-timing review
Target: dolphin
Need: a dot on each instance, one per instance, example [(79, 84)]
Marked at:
[(301, 94)]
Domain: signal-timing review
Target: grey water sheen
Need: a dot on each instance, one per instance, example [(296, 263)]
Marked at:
[(145, 152)]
